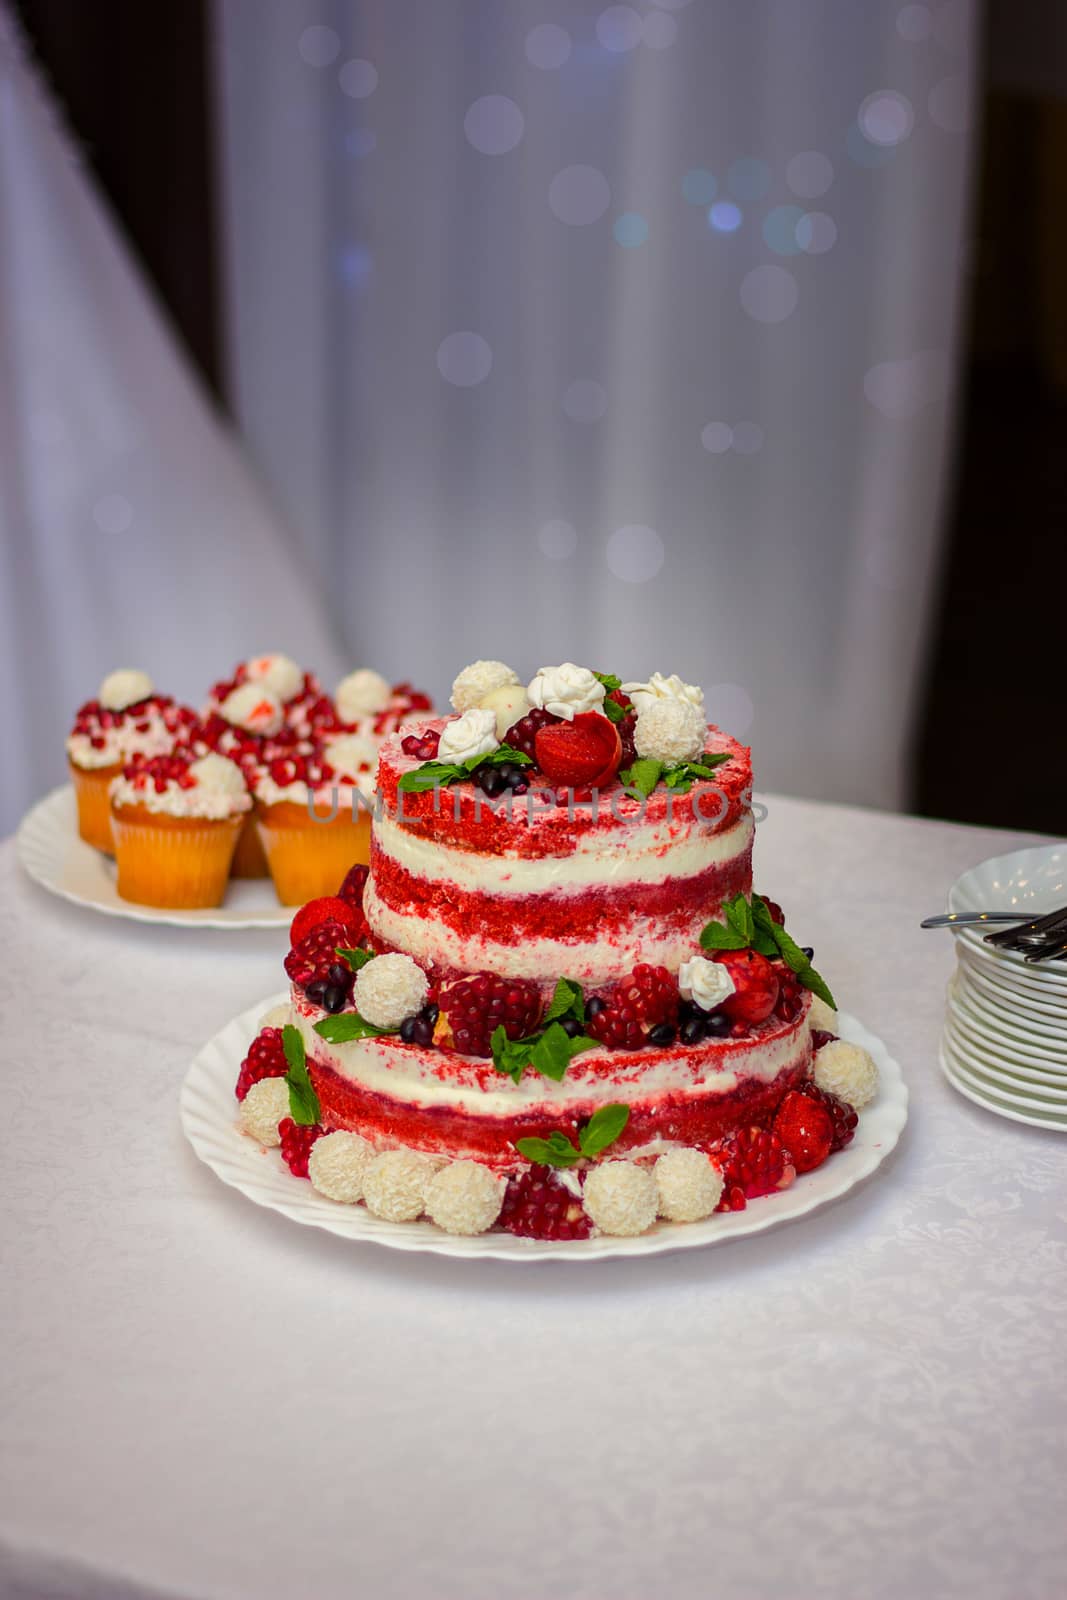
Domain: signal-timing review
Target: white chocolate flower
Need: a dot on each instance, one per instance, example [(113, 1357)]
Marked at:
[(509, 704), (362, 694), (848, 1071), (465, 1198), (277, 673), (337, 1164), (389, 989), (254, 708), (123, 688), (670, 731), (706, 983), (395, 1184), (566, 690), (262, 1108), (216, 773), (472, 734), (660, 688), (689, 1186), (479, 679), (621, 1198)]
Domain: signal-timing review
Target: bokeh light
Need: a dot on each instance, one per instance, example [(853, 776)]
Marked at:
[(886, 117), (816, 233), (358, 79), (630, 229), (585, 400), (748, 438), (547, 46), (494, 124), (699, 187), (579, 195), (619, 28), (717, 438), (780, 230), (354, 264), (809, 174), (749, 178), (464, 359), (319, 46), (635, 553), (557, 540), (724, 216), (769, 293)]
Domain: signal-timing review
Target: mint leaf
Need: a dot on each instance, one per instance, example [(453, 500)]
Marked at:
[(497, 758), (789, 950), (613, 711), (716, 937), (610, 682), (567, 1001), (602, 1129), (642, 776), (682, 777), (739, 917), (555, 1151), (510, 1056), (347, 1026), (430, 775), (551, 1055), (303, 1101), (355, 958)]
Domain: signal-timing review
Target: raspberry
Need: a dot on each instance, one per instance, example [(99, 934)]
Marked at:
[(755, 986), (806, 1130), (265, 1059), (296, 1144), (841, 1114), (329, 908), (355, 882), (315, 961), (627, 1014), (586, 751), (472, 1008), (538, 1206), (522, 734), (625, 727), (753, 1162)]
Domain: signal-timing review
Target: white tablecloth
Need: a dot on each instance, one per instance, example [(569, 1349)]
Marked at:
[(203, 1399)]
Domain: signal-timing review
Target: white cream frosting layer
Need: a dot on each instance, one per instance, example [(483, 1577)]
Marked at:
[(650, 854), (406, 1074), (128, 738)]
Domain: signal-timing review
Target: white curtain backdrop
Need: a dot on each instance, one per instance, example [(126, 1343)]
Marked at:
[(625, 335), (133, 533)]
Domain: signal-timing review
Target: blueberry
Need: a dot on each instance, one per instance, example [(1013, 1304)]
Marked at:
[(809, 952), (407, 1030), (508, 770), (663, 1033), (340, 973), (718, 1024), (693, 1030), (431, 1013), (422, 1032), (594, 1006), (334, 997), (570, 1025), (489, 781), (315, 991), (688, 1009)]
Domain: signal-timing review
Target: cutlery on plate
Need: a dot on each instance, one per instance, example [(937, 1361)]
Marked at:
[(969, 919), (1034, 932)]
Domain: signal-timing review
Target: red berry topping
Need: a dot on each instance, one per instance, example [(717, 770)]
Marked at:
[(789, 1003), (586, 751), (806, 1130), (777, 914), (523, 734), (296, 1144), (265, 1059), (754, 1162), (538, 1206), (819, 1037), (352, 888), (755, 985), (625, 1016), (471, 1008), (841, 1114), (626, 726), (422, 745), (315, 966), (330, 908)]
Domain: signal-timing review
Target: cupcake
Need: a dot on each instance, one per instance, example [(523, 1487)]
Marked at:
[(299, 693), (313, 815), (369, 705), (127, 719), (175, 820)]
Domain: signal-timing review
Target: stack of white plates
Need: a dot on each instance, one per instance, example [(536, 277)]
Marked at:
[(1005, 1039)]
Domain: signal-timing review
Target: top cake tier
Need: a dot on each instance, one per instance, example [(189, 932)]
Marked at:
[(583, 884)]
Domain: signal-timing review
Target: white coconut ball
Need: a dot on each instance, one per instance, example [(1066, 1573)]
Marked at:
[(278, 673), (621, 1198), (670, 731), (395, 1185), (848, 1071), (362, 694), (689, 1186), (509, 704), (276, 1017), (465, 1197), (389, 989), (124, 687), (479, 679), (254, 707), (262, 1108), (822, 1016), (337, 1164)]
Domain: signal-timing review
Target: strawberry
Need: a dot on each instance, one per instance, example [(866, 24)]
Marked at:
[(841, 1114), (806, 1129), (585, 751), (755, 985), (328, 908)]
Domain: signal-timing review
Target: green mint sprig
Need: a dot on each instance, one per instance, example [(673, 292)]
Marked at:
[(437, 774), (348, 1025), (303, 1101), (355, 958), (594, 1137), (645, 773), (750, 926), (550, 1053), (611, 708), (567, 1001)]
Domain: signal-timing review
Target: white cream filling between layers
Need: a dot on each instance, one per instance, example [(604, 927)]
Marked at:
[(650, 854), (404, 1074)]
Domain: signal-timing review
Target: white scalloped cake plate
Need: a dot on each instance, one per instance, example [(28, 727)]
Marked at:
[(55, 856), (208, 1113)]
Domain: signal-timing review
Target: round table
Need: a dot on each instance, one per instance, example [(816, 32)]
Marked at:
[(201, 1399)]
